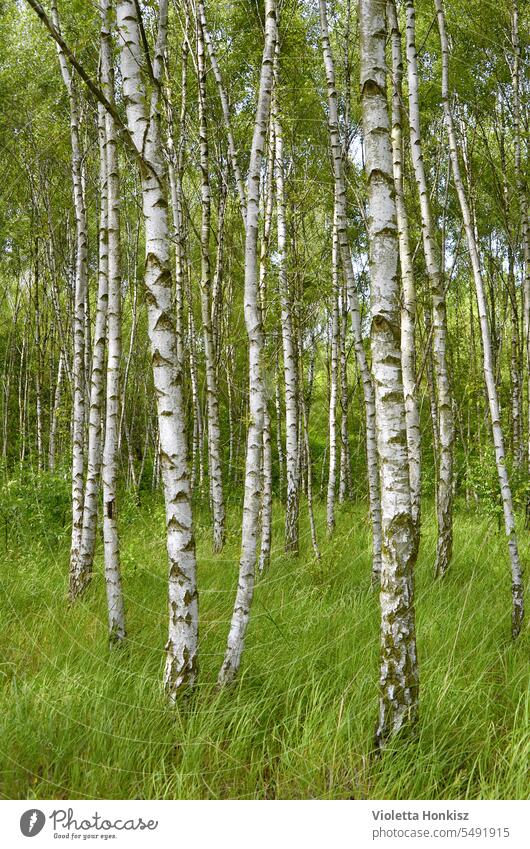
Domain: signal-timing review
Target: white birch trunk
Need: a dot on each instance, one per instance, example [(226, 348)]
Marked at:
[(266, 497), (90, 511), (408, 309), (333, 383), (523, 205), (182, 644), (55, 412), (80, 295), (111, 543), (252, 495), (489, 375), (345, 479), (398, 698), (290, 370), (212, 395), (444, 490), (347, 270)]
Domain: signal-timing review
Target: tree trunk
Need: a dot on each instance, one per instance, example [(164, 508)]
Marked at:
[(212, 395), (408, 309), (90, 512), (347, 270), (333, 382), (80, 296), (444, 490), (290, 370), (182, 644), (489, 376), (398, 700), (252, 496), (115, 604)]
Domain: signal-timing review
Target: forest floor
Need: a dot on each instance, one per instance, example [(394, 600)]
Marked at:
[(78, 720)]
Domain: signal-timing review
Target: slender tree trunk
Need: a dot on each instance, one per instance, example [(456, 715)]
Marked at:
[(226, 110), (347, 270), (290, 370), (52, 442), (345, 477), (38, 359), (489, 378), (444, 491), (305, 405), (78, 371), (523, 205), (90, 511), (266, 498), (279, 436), (398, 699), (408, 309), (181, 647), (113, 584), (333, 381), (252, 496), (212, 395)]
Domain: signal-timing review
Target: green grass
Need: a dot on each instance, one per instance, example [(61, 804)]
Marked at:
[(78, 720)]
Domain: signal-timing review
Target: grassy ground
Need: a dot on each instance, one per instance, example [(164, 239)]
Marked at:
[(78, 720)]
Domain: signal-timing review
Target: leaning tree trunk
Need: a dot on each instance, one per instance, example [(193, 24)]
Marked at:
[(489, 374), (182, 644), (252, 496), (398, 699), (444, 490), (77, 582), (349, 276), (212, 395), (408, 309), (113, 585)]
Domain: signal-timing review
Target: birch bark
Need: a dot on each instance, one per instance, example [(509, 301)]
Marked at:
[(408, 309), (489, 374), (212, 396), (398, 699), (523, 203), (444, 490), (182, 644), (90, 510), (77, 583), (347, 270), (290, 370), (113, 584), (333, 383), (252, 495)]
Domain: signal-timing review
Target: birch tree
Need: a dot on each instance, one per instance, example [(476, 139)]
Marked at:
[(113, 584), (347, 270), (444, 478), (77, 577), (408, 309), (214, 431), (398, 679), (290, 370), (489, 375), (90, 509), (143, 122), (333, 382), (252, 492)]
